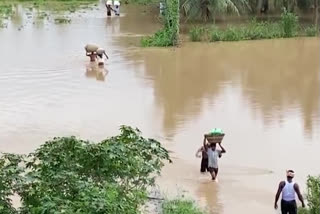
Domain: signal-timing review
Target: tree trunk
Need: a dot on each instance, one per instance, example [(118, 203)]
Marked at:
[(316, 13), (259, 6)]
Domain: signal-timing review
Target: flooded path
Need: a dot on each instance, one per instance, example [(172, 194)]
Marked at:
[(265, 95)]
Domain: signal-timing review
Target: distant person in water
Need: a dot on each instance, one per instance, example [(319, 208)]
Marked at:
[(201, 153), (213, 155), (289, 189), (109, 8), (117, 8)]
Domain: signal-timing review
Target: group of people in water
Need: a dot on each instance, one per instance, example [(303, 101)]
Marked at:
[(116, 8), (210, 154), (288, 188)]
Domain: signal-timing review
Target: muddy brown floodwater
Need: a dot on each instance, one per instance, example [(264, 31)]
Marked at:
[(265, 95)]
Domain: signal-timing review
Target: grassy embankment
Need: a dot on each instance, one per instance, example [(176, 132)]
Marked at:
[(287, 27)]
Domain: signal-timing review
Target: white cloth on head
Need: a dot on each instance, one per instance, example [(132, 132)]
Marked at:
[(116, 3), (109, 2)]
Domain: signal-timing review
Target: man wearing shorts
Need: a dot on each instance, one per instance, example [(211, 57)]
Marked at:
[(289, 189), (201, 153), (213, 155)]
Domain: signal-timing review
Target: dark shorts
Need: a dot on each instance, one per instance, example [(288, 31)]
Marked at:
[(204, 165), (215, 170), (109, 13), (288, 207)]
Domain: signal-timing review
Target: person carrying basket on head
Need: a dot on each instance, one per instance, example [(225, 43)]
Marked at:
[(213, 153)]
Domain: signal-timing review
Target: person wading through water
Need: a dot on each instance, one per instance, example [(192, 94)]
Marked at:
[(109, 8), (289, 189), (201, 153), (213, 155)]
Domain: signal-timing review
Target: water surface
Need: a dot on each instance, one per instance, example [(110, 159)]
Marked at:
[(263, 94)]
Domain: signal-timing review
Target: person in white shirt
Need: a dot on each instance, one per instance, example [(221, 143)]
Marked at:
[(289, 189), (213, 155), (117, 8)]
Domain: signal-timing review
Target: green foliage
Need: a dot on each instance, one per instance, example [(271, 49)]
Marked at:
[(215, 35), (169, 34), (303, 210), (162, 38), (68, 175), (289, 24), (196, 33), (5, 10), (207, 10), (312, 31), (180, 206), (287, 27), (9, 176), (313, 196), (255, 30)]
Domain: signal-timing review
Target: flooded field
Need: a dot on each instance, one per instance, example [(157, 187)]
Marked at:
[(265, 95)]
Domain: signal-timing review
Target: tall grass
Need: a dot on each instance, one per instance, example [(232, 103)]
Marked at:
[(196, 34), (287, 27), (289, 23), (169, 34), (180, 206)]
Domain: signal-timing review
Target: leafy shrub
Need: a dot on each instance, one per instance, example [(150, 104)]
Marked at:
[(196, 34), (180, 206), (215, 35), (233, 34), (313, 195), (68, 175), (289, 24), (162, 38), (303, 210), (169, 34), (311, 31)]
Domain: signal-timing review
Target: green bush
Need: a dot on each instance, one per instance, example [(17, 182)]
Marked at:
[(68, 175), (196, 34), (303, 210), (169, 34), (313, 195), (5, 10), (215, 35), (180, 206), (234, 34), (162, 38), (311, 31), (289, 23)]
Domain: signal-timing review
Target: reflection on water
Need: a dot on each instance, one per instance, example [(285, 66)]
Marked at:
[(273, 80), (264, 94), (93, 70)]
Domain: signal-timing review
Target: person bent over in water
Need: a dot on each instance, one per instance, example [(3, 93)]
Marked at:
[(213, 155), (201, 153), (289, 189), (92, 56)]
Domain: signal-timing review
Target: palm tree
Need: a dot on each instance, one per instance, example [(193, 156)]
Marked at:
[(207, 9)]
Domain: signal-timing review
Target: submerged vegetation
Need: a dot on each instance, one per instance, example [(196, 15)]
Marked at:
[(69, 175), (47, 7), (287, 27)]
